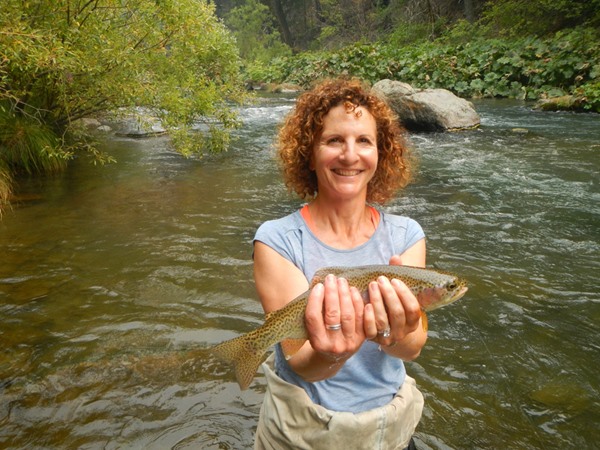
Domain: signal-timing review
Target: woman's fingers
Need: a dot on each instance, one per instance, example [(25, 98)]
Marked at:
[(338, 321), (358, 306), (332, 307), (377, 293), (347, 313), (370, 326), (334, 317), (313, 316), (395, 311), (396, 260), (411, 309)]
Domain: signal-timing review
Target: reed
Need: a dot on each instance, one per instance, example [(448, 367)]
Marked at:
[(27, 147)]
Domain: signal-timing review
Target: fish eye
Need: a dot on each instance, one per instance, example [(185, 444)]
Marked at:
[(452, 285)]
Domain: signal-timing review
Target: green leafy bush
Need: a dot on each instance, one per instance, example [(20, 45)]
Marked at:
[(589, 94), (527, 68)]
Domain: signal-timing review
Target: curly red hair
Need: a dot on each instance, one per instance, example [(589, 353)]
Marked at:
[(304, 124)]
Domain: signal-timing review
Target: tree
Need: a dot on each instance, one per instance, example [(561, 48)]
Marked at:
[(256, 33), (469, 10), (539, 17), (61, 60), (283, 24)]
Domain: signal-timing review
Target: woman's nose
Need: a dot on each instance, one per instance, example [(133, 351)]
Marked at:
[(349, 152)]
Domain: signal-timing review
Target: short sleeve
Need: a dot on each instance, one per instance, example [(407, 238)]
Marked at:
[(414, 233), (284, 236), (405, 232)]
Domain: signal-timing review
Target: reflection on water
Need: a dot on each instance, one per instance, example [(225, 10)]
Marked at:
[(114, 282)]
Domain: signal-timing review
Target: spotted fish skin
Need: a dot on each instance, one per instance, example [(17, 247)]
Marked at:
[(432, 288)]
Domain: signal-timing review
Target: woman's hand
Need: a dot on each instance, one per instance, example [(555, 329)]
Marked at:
[(393, 306), (334, 319), (393, 312)]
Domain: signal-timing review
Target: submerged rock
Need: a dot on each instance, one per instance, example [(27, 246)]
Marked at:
[(138, 122), (562, 103)]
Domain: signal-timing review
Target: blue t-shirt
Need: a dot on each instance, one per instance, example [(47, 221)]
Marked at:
[(370, 378)]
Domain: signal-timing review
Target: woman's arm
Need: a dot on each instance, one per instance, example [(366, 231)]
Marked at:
[(278, 281)]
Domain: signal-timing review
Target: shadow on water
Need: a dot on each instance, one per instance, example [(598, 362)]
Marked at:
[(114, 281)]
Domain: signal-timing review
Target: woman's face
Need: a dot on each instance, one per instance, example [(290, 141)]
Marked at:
[(345, 155)]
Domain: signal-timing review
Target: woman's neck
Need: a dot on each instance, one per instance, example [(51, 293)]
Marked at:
[(341, 225)]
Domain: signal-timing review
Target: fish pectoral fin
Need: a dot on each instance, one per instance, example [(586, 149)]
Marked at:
[(291, 346), (424, 321)]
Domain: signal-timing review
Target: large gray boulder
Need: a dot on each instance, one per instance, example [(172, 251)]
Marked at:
[(428, 109)]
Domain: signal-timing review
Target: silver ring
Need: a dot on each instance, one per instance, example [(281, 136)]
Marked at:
[(385, 333), (336, 327)]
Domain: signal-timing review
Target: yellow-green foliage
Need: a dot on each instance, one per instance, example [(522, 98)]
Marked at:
[(61, 60)]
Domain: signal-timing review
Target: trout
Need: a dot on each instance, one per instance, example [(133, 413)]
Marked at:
[(432, 288)]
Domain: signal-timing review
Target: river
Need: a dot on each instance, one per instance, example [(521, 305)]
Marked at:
[(114, 280)]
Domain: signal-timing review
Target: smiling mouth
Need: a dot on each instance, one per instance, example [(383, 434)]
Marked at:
[(346, 172)]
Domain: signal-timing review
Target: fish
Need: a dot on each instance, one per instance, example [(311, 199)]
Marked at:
[(432, 288)]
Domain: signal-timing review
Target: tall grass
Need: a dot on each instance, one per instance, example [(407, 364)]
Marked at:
[(27, 147)]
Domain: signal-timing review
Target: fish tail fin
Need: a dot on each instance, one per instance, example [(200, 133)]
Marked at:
[(243, 354)]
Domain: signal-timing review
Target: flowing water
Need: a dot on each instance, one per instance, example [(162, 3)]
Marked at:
[(114, 281)]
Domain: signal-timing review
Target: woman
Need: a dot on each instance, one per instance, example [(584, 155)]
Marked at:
[(346, 387)]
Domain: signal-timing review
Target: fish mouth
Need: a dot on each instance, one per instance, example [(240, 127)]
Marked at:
[(457, 295), (449, 299), (463, 290)]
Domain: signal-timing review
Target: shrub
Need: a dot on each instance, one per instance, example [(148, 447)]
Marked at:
[(525, 68)]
